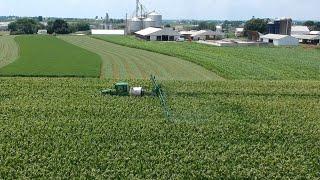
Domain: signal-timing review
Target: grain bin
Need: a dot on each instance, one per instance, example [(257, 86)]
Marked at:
[(148, 22), (156, 17), (135, 24)]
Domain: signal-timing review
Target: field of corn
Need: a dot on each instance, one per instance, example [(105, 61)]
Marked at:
[(65, 128), (246, 63)]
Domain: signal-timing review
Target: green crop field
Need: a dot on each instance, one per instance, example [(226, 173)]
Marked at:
[(121, 62), (50, 56), (263, 63), (9, 50), (64, 128)]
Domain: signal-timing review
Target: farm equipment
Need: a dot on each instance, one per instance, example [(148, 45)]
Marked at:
[(123, 89)]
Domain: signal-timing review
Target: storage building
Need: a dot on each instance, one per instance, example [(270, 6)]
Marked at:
[(207, 35), (42, 32), (308, 39), (158, 34), (106, 32), (239, 32), (315, 32), (280, 40)]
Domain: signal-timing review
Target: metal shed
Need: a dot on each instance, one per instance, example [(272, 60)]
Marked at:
[(280, 40), (158, 34)]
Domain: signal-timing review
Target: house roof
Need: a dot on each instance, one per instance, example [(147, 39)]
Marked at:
[(239, 29), (307, 37), (300, 28), (206, 33), (274, 36)]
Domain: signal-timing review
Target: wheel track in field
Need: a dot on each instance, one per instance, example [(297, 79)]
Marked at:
[(120, 62), (9, 50)]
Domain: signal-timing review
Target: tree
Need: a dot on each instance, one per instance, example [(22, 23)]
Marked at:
[(40, 18), (309, 23), (167, 25), (259, 25), (207, 25), (59, 26), (24, 26), (82, 26)]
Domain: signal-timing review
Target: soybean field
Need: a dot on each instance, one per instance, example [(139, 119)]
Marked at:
[(120, 62), (9, 50), (52, 127), (49, 56), (246, 63)]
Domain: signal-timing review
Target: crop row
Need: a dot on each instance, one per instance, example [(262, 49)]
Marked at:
[(9, 50), (64, 128)]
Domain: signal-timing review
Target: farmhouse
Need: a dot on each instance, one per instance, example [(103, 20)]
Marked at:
[(280, 40), (308, 39), (106, 32), (42, 32), (158, 34), (299, 30)]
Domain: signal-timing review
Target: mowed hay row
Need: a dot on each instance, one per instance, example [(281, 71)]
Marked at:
[(257, 63), (121, 62), (50, 56), (9, 50)]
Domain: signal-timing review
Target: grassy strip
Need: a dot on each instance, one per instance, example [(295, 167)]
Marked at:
[(64, 128), (9, 50), (48, 56), (255, 63)]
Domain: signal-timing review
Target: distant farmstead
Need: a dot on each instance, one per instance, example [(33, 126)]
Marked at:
[(158, 34), (42, 32), (280, 40)]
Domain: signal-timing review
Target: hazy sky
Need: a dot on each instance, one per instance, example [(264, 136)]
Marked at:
[(170, 9)]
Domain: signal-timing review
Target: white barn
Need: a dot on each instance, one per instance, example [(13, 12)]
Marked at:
[(299, 30), (280, 40), (158, 34), (207, 35), (106, 32)]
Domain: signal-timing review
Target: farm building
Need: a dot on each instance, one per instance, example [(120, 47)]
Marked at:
[(308, 39), (158, 34), (300, 30), (239, 32), (315, 33), (4, 26), (280, 40), (42, 32), (187, 34), (207, 35), (106, 32)]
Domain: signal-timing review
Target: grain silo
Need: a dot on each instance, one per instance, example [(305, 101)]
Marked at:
[(148, 22), (135, 24), (156, 17)]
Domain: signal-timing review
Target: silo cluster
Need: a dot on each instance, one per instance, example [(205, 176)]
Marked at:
[(151, 19)]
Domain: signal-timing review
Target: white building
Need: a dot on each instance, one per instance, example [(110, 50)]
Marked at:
[(4, 26), (42, 32), (280, 40), (158, 34), (299, 30), (239, 32), (207, 35), (308, 39), (107, 32), (315, 32)]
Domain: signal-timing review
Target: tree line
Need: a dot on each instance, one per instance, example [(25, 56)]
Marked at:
[(58, 26)]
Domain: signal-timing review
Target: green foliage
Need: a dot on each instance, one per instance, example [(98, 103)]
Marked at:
[(313, 26), (207, 25), (259, 25), (64, 129), (259, 63), (121, 62), (58, 26), (24, 26), (49, 56)]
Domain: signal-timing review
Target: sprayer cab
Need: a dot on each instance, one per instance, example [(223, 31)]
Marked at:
[(123, 89)]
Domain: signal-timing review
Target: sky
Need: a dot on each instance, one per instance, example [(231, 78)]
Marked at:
[(170, 9)]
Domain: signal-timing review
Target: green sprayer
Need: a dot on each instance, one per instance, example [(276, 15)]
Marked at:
[(123, 89)]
